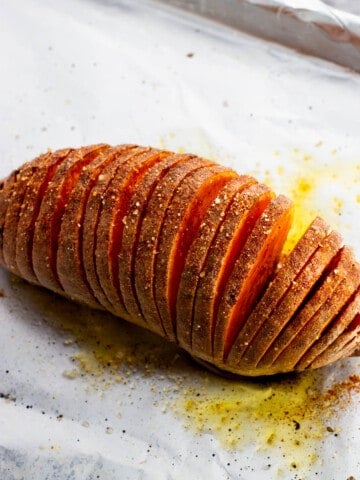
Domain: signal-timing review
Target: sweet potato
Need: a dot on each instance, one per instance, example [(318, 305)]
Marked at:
[(330, 334), (93, 210), (48, 223), (198, 252), (70, 254), (113, 217), (336, 287), (280, 284), (251, 272), (185, 248), (149, 238), (133, 223), (180, 225), (294, 298), (36, 187), (230, 239)]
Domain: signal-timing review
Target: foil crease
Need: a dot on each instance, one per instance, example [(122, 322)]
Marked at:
[(310, 26)]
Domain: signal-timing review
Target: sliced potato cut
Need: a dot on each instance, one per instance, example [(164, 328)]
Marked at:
[(251, 272), (36, 187), (149, 238), (6, 192), (112, 220), (182, 220), (132, 228), (294, 298), (278, 287), (239, 221), (70, 255), (336, 288), (343, 346), (48, 223), (332, 332), (197, 255), (14, 206)]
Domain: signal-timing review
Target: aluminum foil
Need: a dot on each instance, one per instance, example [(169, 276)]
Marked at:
[(310, 26), (87, 396)]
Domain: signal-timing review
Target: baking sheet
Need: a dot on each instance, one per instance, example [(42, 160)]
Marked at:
[(314, 27), (86, 396)]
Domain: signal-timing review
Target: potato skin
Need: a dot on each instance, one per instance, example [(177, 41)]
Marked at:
[(185, 248)]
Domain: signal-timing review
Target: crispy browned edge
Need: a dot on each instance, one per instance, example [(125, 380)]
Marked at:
[(6, 189)]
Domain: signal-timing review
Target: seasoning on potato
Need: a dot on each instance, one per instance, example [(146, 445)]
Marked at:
[(185, 248)]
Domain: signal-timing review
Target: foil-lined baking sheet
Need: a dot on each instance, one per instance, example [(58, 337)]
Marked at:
[(87, 396), (311, 26)]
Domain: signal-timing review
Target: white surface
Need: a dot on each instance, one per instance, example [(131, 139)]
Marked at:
[(78, 72)]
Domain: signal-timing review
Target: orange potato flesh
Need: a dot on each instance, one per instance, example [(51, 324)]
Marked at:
[(48, 223), (181, 222), (93, 210), (326, 302), (35, 191), (69, 262), (238, 223), (332, 332), (197, 255), (149, 237), (251, 272), (293, 299), (275, 292), (140, 199), (112, 220)]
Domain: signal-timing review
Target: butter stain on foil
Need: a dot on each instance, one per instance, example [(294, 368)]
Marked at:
[(284, 419)]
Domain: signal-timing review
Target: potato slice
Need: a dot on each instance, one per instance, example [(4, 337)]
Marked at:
[(251, 272), (35, 190), (93, 210), (182, 220), (332, 332), (292, 301), (70, 255), (112, 220), (149, 237), (6, 191), (48, 222), (239, 221), (131, 232), (196, 257), (276, 290), (335, 289), (14, 206), (343, 346)]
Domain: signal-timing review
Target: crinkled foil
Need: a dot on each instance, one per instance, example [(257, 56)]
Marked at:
[(311, 26)]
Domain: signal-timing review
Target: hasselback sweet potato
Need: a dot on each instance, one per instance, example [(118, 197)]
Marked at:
[(185, 248)]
